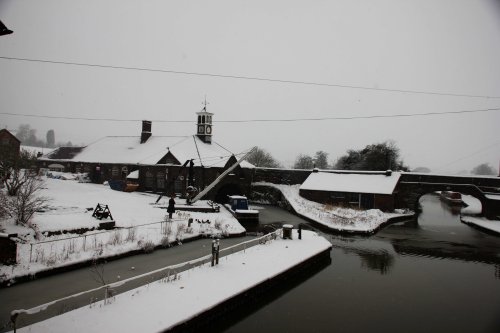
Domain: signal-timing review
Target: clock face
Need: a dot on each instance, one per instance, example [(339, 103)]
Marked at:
[(201, 129), (209, 129)]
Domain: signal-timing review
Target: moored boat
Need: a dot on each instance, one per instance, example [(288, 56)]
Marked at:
[(238, 206), (452, 198)]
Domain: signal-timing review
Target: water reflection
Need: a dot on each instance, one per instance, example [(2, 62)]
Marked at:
[(453, 209), (436, 273), (379, 260)]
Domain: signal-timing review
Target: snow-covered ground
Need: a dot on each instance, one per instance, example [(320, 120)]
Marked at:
[(162, 305), (141, 225), (336, 218), (474, 207)]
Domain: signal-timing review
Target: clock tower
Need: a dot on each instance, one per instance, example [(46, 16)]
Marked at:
[(204, 125)]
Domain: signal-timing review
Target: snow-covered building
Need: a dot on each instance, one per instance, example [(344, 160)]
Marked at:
[(365, 190), (163, 162)]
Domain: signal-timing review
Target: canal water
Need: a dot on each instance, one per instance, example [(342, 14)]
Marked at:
[(434, 274)]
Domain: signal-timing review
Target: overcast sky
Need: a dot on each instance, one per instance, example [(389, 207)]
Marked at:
[(438, 46)]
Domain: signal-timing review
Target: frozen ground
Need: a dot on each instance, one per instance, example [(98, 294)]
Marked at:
[(163, 304), (337, 218), (141, 225)]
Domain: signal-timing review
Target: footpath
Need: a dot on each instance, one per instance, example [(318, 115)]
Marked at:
[(177, 299)]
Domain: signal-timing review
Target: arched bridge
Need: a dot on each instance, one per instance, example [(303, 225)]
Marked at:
[(410, 187)]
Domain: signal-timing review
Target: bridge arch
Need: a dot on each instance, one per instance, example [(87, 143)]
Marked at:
[(411, 193)]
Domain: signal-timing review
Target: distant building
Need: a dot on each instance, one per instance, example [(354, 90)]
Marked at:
[(163, 162), (365, 190)]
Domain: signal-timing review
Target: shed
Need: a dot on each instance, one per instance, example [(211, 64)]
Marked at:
[(365, 190)]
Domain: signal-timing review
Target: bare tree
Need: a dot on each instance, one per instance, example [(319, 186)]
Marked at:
[(26, 202), (303, 162), (321, 160), (261, 158), (97, 271), (12, 169)]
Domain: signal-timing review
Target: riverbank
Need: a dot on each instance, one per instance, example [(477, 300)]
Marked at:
[(491, 226), (192, 293), (469, 216), (338, 219)]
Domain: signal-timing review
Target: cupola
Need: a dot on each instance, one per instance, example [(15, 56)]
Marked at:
[(204, 125)]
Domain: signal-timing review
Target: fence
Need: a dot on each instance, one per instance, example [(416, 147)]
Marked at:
[(91, 245), (106, 292)]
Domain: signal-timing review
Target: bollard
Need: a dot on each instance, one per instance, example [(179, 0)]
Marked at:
[(213, 253), (217, 252), (287, 231), (300, 231), (13, 318)]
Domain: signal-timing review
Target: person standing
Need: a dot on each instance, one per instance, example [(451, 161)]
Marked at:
[(171, 206)]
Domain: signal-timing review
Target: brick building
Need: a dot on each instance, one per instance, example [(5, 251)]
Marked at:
[(364, 190), (163, 162), (9, 144)]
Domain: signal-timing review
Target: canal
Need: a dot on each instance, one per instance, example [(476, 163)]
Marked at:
[(434, 274)]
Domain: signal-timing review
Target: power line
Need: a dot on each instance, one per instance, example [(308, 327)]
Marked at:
[(469, 155), (252, 78), (426, 114)]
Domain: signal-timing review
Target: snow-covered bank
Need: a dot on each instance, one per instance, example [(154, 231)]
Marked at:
[(474, 207), (335, 218), (482, 222), (162, 305), (138, 218)]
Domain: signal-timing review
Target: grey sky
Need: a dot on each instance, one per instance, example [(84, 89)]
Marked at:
[(450, 46)]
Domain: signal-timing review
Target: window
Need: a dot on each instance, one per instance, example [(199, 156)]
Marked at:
[(115, 171), (149, 179), (160, 180)]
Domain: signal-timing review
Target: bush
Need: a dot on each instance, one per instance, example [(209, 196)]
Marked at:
[(146, 246), (115, 238), (165, 242)]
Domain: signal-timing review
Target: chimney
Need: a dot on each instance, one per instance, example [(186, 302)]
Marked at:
[(146, 130)]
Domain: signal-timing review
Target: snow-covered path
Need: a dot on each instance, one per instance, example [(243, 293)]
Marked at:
[(161, 305)]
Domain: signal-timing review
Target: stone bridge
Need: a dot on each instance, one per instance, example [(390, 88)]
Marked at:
[(410, 188)]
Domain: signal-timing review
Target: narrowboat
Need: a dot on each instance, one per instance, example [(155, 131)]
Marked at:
[(451, 198), (238, 206)]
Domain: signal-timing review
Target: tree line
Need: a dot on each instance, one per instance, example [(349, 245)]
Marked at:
[(374, 157), (28, 137)]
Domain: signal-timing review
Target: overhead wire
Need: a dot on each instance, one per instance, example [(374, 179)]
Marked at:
[(470, 155), (380, 116), (251, 78)]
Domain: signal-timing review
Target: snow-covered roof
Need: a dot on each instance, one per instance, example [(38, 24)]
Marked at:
[(129, 150), (36, 150), (351, 182)]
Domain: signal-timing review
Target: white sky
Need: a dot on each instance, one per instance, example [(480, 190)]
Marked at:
[(450, 46)]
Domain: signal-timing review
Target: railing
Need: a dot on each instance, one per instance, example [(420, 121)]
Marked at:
[(107, 292), (61, 250)]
